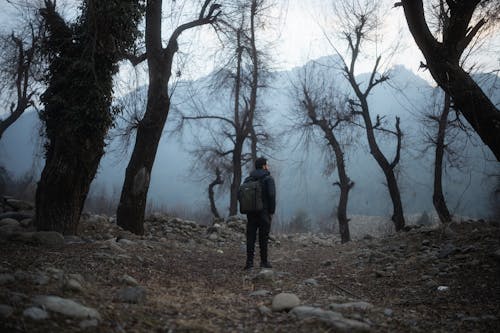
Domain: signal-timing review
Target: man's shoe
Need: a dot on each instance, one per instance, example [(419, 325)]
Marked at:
[(265, 264)]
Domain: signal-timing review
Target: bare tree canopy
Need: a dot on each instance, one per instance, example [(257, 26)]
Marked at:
[(462, 22)]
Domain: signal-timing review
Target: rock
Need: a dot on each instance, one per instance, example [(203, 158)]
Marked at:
[(8, 221), (88, 323), (23, 237), (284, 301), (26, 223), (354, 306), (261, 292), (19, 216), (66, 307), (6, 278), (40, 279), (388, 312), (35, 313), (311, 282), (5, 311), (124, 241), (304, 312), (127, 279), (334, 319), (447, 250), (350, 326), (18, 205), (49, 238), (132, 295), (264, 310), (73, 285), (265, 275)]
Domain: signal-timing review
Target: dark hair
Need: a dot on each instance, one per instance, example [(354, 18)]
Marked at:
[(260, 162)]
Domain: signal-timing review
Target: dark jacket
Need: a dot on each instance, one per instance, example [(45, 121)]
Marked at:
[(268, 188)]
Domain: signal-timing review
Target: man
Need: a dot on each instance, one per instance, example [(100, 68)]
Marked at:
[(261, 221)]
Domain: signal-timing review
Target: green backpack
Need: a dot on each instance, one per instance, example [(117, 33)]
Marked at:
[(250, 197)]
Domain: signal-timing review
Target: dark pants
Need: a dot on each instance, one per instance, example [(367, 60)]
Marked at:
[(262, 223)]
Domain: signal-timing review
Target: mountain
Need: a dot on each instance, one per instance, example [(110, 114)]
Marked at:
[(299, 170)]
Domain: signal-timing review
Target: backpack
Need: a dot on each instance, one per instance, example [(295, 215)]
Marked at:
[(250, 196)]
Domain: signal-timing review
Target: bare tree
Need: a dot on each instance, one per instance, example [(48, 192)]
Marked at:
[(462, 21), (323, 106), (83, 56), (20, 68), (131, 209), (358, 22), (238, 137)]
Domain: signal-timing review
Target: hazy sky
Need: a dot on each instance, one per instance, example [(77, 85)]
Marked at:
[(299, 35)]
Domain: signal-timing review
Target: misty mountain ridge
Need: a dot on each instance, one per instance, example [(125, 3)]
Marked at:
[(299, 172)]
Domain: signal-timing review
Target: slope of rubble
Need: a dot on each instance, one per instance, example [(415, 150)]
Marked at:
[(184, 277)]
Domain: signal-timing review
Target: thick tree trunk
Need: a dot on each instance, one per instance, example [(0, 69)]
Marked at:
[(133, 199), (132, 206), (77, 101), (64, 185), (438, 197), (443, 61)]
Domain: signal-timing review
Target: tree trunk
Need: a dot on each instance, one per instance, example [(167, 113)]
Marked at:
[(438, 197), (77, 105), (64, 185), (237, 176), (443, 62), (217, 181), (388, 170), (133, 199), (344, 183), (132, 206)]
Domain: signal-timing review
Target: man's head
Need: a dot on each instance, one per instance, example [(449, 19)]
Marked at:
[(261, 163)]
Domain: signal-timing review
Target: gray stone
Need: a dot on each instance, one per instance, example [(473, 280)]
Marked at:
[(19, 216), (261, 292), (353, 306), (73, 285), (132, 295), (20, 204), (284, 301), (304, 312), (41, 279), (350, 326), (264, 310), (447, 250), (334, 319), (5, 311), (6, 278), (124, 241), (35, 313), (311, 282), (25, 223), (9, 221), (49, 238), (265, 275), (127, 279), (66, 307), (388, 312), (88, 323)]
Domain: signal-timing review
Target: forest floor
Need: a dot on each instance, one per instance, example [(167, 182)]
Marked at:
[(424, 280)]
